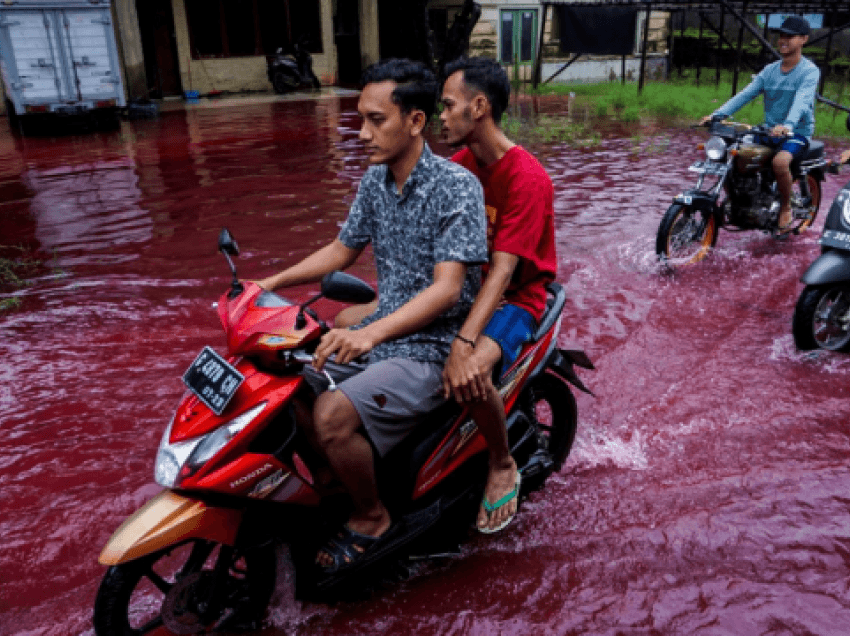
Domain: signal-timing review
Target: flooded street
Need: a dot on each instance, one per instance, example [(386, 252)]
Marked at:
[(707, 492)]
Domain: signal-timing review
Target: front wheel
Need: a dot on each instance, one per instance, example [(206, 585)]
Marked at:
[(685, 235), (822, 318), (171, 588)]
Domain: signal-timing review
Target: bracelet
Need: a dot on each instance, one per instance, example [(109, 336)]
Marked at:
[(466, 340)]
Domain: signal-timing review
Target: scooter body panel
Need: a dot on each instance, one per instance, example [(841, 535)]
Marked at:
[(166, 520)]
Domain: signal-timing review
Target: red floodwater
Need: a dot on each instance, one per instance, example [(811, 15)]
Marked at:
[(707, 493)]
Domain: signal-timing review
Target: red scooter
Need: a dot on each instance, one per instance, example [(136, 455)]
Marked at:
[(238, 473)]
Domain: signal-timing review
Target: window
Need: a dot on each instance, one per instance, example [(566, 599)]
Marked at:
[(234, 28), (517, 38)]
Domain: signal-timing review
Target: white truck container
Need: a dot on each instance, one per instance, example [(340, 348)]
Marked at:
[(60, 58)]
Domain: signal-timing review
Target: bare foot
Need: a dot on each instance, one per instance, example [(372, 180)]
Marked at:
[(370, 526), (500, 482)]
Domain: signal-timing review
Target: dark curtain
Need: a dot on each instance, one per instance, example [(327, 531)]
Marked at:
[(597, 30)]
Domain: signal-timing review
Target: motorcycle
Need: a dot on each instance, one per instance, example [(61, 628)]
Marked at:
[(288, 72), (822, 313), (745, 195), (238, 473)]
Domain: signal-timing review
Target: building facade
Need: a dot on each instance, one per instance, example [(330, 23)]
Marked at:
[(172, 46)]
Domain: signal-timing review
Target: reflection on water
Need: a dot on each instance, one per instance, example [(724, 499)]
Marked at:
[(707, 490)]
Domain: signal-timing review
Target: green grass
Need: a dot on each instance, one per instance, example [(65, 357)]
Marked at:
[(550, 129), (14, 270), (680, 101)]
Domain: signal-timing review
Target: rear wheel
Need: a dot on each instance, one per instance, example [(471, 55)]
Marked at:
[(283, 82), (170, 589), (812, 209), (822, 318), (554, 409), (685, 235)]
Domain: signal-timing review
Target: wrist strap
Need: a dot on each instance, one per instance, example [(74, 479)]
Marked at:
[(465, 340)]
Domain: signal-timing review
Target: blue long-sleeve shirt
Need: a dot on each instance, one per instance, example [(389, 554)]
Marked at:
[(789, 98)]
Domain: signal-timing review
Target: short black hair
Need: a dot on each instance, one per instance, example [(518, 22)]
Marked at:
[(417, 85), (486, 75)]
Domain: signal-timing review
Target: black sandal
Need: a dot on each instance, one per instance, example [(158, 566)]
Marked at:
[(345, 548)]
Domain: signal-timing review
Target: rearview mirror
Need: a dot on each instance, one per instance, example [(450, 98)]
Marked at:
[(848, 122), (226, 243), (346, 288)]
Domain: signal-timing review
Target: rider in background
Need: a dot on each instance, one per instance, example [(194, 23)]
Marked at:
[(789, 86), (519, 200)]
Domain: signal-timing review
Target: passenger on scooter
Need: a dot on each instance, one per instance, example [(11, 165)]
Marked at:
[(519, 200), (424, 217), (789, 86)]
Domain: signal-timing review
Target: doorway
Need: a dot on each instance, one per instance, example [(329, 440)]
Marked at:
[(159, 45), (347, 38)]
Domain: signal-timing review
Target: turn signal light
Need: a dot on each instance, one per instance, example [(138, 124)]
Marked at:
[(700, 146), (36, 108), (733, 152)]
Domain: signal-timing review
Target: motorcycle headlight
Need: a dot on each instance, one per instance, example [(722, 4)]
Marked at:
[(177, 461), (215, 441), (715, 149)]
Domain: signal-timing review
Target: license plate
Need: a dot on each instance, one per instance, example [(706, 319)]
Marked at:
[(212, 379), (709, 167), (834, 238)]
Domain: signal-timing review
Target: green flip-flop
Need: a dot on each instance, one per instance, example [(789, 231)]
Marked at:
[(490, 508)]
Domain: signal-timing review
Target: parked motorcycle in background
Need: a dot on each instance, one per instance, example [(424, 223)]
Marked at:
[(288, 72), (822, 314), (744, 195)]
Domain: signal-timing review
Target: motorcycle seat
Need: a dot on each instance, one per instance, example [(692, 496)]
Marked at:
[(554, 304)]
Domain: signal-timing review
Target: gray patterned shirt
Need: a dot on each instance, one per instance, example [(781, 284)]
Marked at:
[(438, 217)]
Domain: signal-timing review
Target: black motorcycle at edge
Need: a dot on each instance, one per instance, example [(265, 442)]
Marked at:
[(822, 314), (290, 71), (744, 196)]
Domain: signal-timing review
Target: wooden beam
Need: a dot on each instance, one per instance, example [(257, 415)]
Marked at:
[(642, 77), (738, 50), (538, 63), (563, 68)]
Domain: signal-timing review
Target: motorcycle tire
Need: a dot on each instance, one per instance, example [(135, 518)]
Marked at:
[(284, 82), (810, 330), (550, 401), (677, 242), (118, 613)]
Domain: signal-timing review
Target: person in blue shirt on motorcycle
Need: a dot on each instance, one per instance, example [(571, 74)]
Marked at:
[(789, 86)]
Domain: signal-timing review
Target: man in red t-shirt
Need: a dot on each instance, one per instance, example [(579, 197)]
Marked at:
[(518, 196)]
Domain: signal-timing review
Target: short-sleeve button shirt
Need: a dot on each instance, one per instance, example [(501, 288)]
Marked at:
[(438, 217)]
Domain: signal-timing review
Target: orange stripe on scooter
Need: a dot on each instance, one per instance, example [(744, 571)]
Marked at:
[(166, 520)]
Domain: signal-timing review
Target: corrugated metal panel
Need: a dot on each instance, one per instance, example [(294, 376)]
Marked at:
[(88, 48), (34, 46)]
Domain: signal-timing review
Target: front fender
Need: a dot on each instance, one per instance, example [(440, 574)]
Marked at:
[(697, 199), (166, 520), (830, 267)]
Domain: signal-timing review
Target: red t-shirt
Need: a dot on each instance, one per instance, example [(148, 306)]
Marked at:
[(519, 199)]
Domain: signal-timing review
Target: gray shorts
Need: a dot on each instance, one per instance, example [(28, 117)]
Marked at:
[(391, 396)]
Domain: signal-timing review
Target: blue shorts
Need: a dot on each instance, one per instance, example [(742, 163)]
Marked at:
[(796, 144), (510, 327)]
